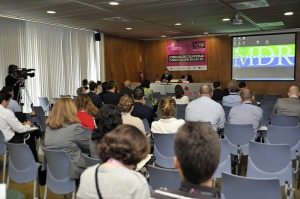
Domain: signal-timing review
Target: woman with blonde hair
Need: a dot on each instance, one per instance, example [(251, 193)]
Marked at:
[(168, 123), (86, 120), (126, 107), (64, 132)]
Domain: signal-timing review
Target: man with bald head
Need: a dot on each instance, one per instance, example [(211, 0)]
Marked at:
[(126, 90), (246, 113), (289, 106), (205, 109)]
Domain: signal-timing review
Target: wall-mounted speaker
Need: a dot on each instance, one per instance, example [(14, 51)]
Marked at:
[(97, 36)]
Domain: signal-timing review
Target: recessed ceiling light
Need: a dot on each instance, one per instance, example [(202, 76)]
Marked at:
[(205, 33), (163, 36), (128, 28), (226, 19), (178, 24), (113, 3), (288, 13), (51, 12)]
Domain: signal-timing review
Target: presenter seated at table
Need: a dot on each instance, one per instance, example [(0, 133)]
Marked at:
[(167, 77), (187, 77)]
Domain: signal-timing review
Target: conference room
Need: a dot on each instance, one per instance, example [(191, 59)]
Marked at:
[(64, 42)]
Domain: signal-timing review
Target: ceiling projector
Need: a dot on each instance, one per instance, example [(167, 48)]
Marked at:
[(236, 20)]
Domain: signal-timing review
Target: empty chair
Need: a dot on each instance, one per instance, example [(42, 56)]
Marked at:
[(226, 115), (42, 122), (181, 111), (282, 120), (237, 187), (44, 103), (65, 96), (38, 110), (164, 149), (225, 160), (267, 110), (91, 161), (160, 177), (58, 173), (270, 161), (22, 167), (3, 152), (267, 103)]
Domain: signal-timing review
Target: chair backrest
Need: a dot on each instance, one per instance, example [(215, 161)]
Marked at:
[(267, 103), (54, 99), (285, 135), (170, 94), (44, 102), (38, 110), (272, 97), (148, 102), (239, 134), (259, 97), (181, 111), (22, 167), (267, 110), (282, 120), (91, 161), (226, 108), (87, 132), (74, 97), (42, 120), (164, 149), (58, 172), (2, 144), (237, 187), (65, 96), (270, 161), (146, 125), (225, 160), (160, 177)]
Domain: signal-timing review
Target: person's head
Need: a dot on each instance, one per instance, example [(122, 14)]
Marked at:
[(138, 93), (93, 86), (246, 95), (9, 90), (99, 83), (186, 73), (82, 102), (126, 104), (108, 118), (12, 69), (104, 86), (217, 84), (178, 91), (197, 152), (84, 82), (205, 90), (127, 84), (167, 71), (62, 114), (242, 84), (126, 144), (167, 107), (81, 91), (4, 98), (293, 91), (145, 84), (232, 86), (111, 85)]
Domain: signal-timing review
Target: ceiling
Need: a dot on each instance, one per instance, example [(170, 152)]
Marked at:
[(150, 19)]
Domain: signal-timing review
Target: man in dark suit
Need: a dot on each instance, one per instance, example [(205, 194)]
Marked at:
[(217, 93), (126, 90), (141, 110), (110, 97), (96, 99), (289, 106), (187, 77), (167, 77)]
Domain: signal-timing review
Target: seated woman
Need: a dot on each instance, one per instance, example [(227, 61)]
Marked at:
[(121, 150), (168, 123), (148, 92), (126, 107), (179, 97), (107, 119), (86, 120), (64, 132)]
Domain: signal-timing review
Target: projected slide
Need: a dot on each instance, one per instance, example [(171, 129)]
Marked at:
[(264, 57)]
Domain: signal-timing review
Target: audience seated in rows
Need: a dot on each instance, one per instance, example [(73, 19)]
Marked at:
[(126, 90), (242, 85), (86, 120), (120, 150), (85, 85), (233, 99), (96, 99), (91, 108), (104, 90), (197, 152), (289, 106), (148, 92), (168, 123), (111, 97), (218, 94), (107, 119), (206, 109), (179, 97), (99, 87), (140, 110), (126, 106), (246, 113), (64, 132)]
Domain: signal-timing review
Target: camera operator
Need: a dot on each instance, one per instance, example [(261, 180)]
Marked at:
[(12, 81)]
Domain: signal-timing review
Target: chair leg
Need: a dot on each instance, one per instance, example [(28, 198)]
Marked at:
[(73, 195), (7, 181), (4, 168), (34, 189), (45, 192)]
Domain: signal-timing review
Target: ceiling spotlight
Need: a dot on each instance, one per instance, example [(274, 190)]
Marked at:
[(163, 36), (205, 33), (128, 28), (226, 19), (178, 24), (51, 12), (113, 3), (288, 13)]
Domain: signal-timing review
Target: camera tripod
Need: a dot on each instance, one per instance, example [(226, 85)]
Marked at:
[(22, 90)]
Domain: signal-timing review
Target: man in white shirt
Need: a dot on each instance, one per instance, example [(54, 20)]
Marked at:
[(205, 109)]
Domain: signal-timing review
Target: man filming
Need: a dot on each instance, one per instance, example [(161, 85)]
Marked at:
[(12, 81)]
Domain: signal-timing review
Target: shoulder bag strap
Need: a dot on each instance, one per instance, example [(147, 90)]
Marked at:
[(97, 184)]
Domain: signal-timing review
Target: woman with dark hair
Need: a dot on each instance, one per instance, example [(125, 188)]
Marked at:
[(179, 97), (121, 150), (107, 119), (168, 123)]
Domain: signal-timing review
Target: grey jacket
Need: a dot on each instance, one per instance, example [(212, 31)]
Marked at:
[(287, 106)]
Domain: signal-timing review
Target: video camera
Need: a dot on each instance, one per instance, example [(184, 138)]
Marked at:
[(23, 73)]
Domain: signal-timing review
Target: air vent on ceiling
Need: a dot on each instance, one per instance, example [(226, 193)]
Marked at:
[(119, 19), (250, 5)]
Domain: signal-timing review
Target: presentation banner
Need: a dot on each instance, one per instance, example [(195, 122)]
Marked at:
[(187, 55)]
